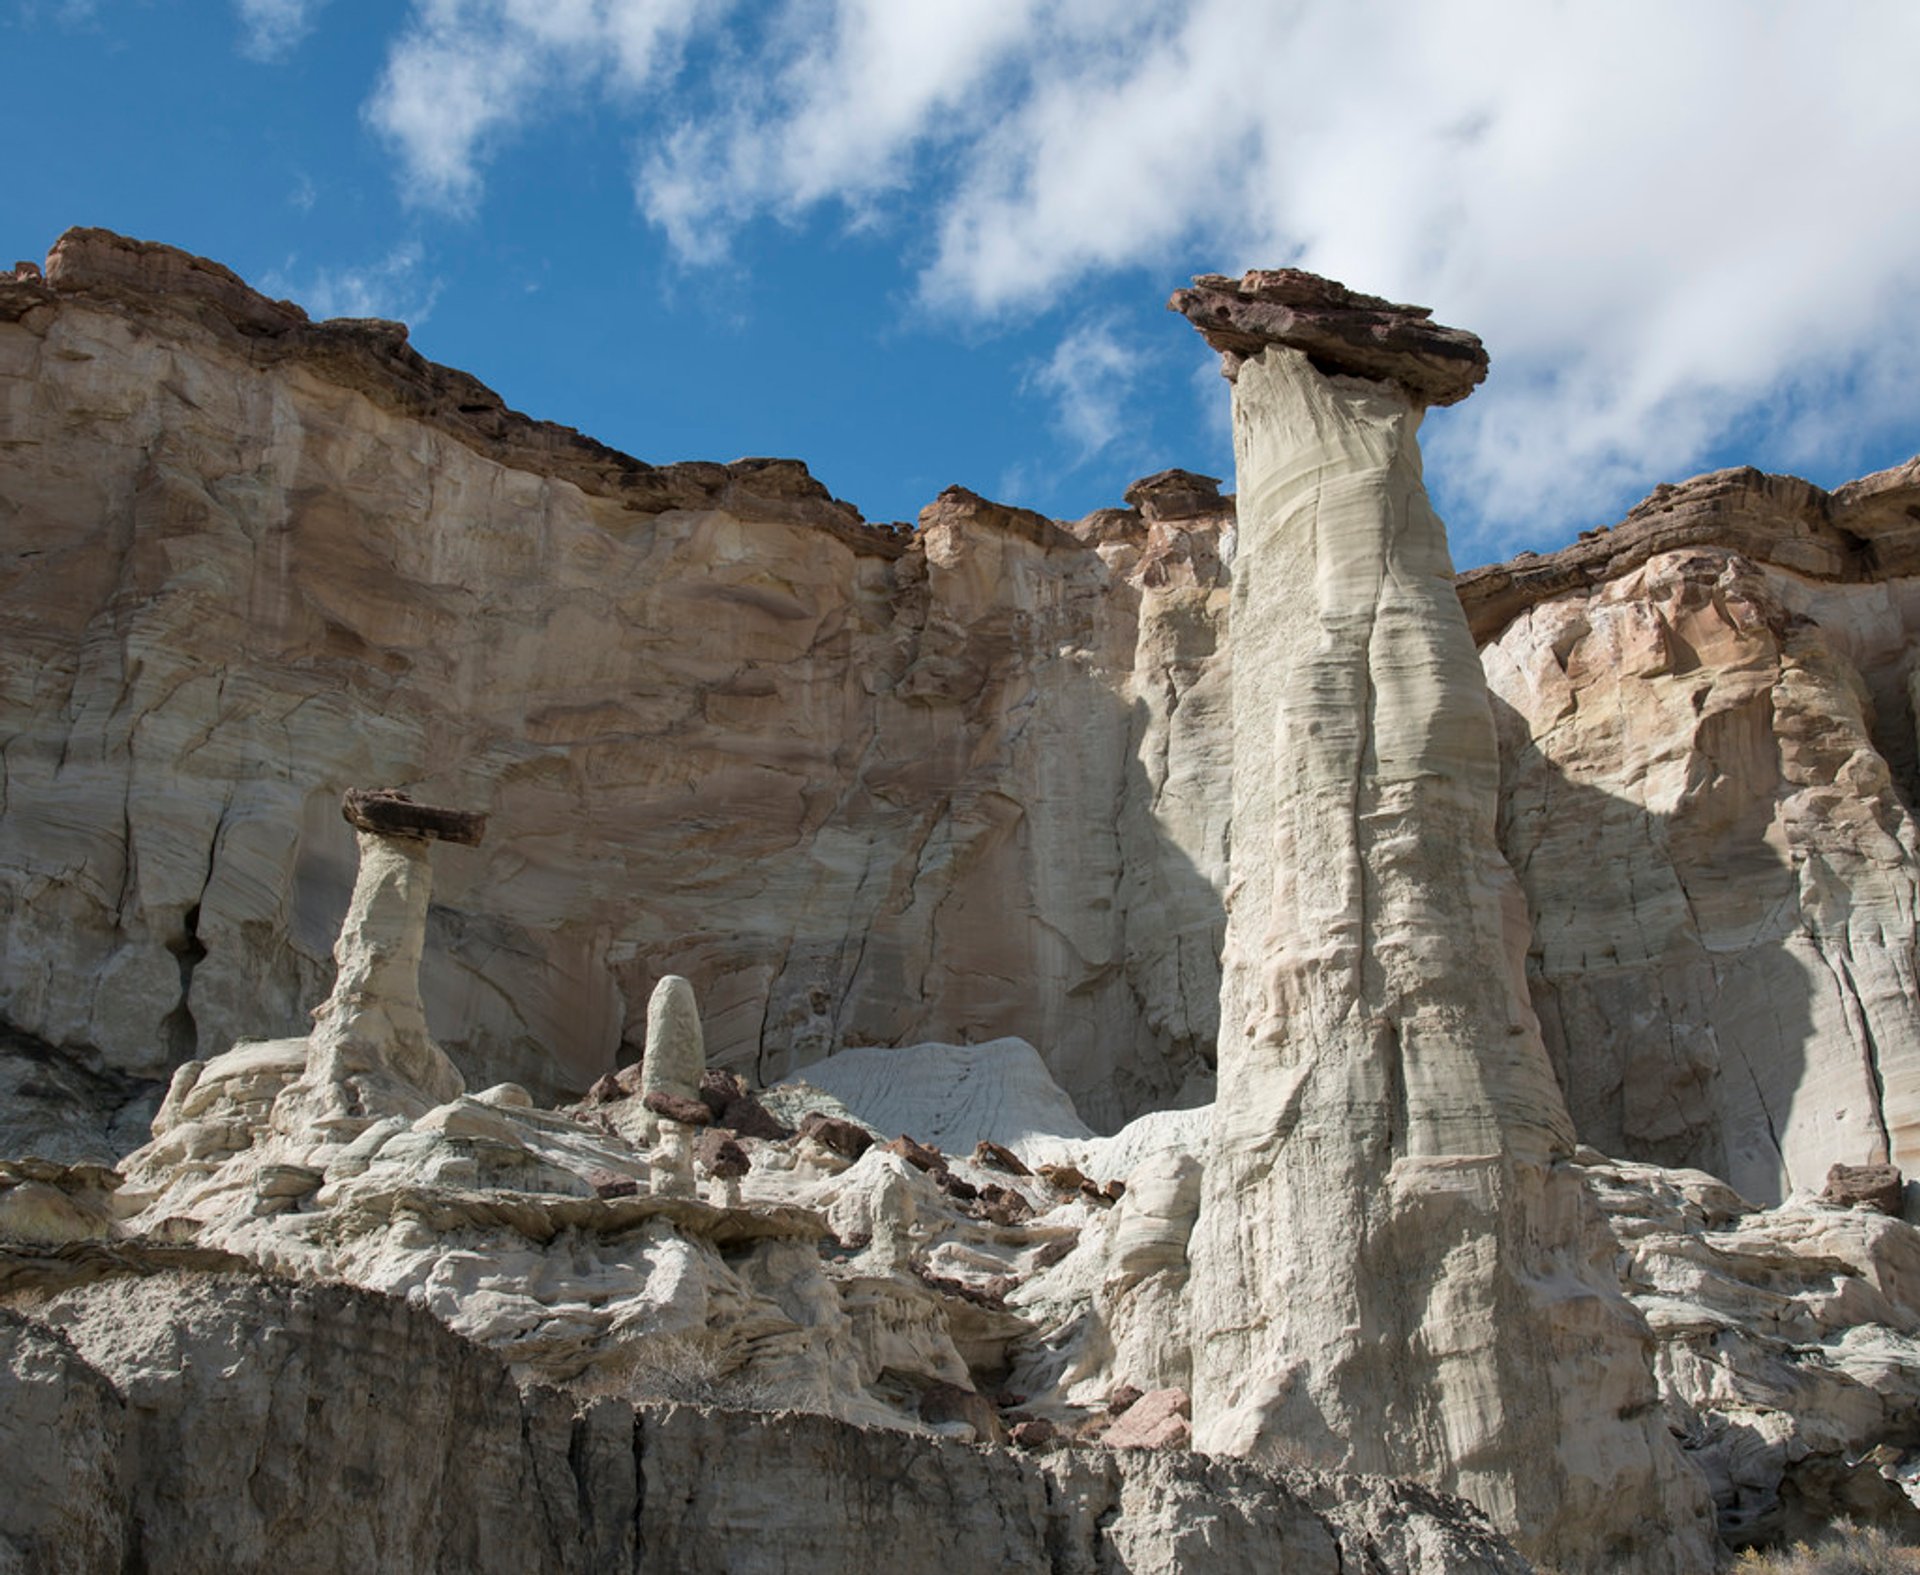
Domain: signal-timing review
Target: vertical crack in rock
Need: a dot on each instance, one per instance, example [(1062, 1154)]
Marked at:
[(1860, 1023), (1395, 1269)]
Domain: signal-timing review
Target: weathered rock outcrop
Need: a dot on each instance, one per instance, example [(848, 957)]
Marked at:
[(368, 1437), (858, 786), (1788, 1353), (1708, 764), (1394, 1265)]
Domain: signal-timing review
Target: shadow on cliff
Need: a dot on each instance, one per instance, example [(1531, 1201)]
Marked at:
[(1674, 979)]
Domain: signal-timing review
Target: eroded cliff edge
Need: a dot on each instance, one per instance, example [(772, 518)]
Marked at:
[(1707, 724)]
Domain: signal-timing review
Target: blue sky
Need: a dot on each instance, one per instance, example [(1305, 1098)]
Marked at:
[(916, 242)]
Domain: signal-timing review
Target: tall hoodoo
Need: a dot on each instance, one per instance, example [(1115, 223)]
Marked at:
[(369, 1054), (1393, 1269)]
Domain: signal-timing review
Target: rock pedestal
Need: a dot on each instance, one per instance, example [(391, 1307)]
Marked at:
[(1393, 1268), (369, 1054)]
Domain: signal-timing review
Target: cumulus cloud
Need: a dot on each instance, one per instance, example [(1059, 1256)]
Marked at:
[(271, 28), (394, 286), (1088, 381), (1665, 220), (466, 74)]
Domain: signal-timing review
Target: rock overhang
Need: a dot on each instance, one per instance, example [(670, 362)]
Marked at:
[(1341, 331)]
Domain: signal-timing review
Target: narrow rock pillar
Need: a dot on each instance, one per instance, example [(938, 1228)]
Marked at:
[(676, 1054), (670, 1073), (1394, 1270), (369, 1054)]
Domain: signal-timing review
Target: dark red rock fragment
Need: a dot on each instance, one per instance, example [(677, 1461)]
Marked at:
[(720, 1155), (390, 813), (1343, 332), (999, 1158), (1876, 1186), (917, 1155), (1033, 1432), (688, 1112), (845, 1138)]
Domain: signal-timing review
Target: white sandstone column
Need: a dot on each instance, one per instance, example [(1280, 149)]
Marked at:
[(1393, 1269)]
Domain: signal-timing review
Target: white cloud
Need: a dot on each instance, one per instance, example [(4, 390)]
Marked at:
[(392, 287), (273, 27), (1664, 220), (466, 74), (1088, 379)]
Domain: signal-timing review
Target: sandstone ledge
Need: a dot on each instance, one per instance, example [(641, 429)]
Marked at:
[(192, 1421), (1867, 530)]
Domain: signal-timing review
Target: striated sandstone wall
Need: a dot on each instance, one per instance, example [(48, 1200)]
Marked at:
[(858, 786), (1709, 767)]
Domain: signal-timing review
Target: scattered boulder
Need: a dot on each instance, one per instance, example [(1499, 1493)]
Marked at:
[(610, 1183), (957, 1187), (846, 1138), (998, 1157), (1033, 1432), (1877, 1187), (734, 1107), (1001, 1205), (1157, 1420), (1064, 1178), (720, 1155), (918, 1155), (1123, 1397), (688, 1112)]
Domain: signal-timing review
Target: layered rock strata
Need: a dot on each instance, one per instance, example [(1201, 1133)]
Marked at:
[(858, 785), (1394, 1266), (1708, 766), (368, 1437)]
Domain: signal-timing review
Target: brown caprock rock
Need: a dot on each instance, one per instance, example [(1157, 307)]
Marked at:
[(1395, 1269), (1878, 1187), (1342, 332)]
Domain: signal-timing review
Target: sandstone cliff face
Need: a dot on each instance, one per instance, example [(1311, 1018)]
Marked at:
[(1708, 763), (865, 787), (859, 787)]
